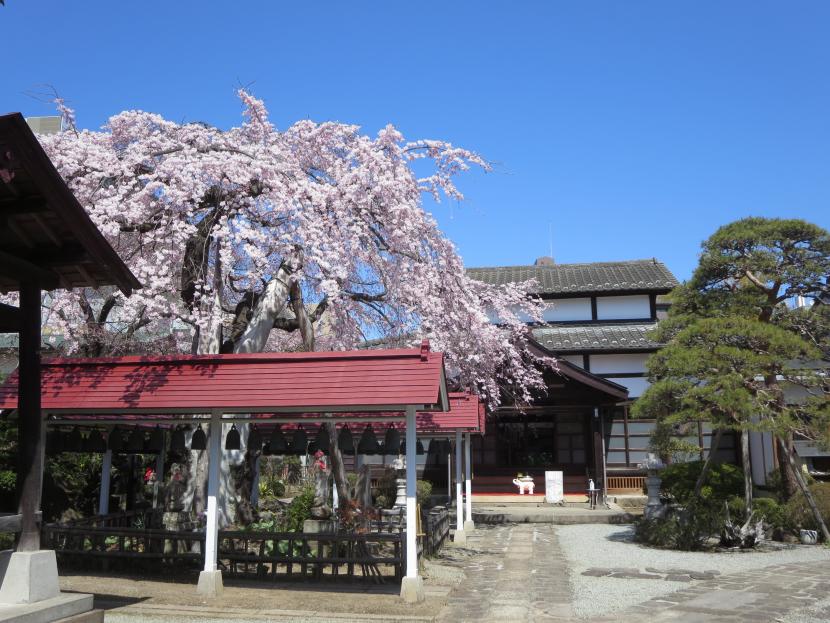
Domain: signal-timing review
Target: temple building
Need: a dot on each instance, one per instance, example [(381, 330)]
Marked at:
[(597, 323)]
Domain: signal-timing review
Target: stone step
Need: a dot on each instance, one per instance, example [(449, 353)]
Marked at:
[(57, 609)]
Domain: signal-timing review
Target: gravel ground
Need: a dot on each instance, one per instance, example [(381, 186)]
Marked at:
[(817, 613), (596, 545)]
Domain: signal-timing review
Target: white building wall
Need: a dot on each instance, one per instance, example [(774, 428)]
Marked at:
[(610, 364), (623, 307), (636, 385), (574, 359), (563, 310)]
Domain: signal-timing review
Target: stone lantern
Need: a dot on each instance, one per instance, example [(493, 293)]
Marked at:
[(653, 466)]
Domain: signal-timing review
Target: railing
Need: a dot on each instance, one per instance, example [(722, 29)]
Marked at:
[(626, 484), (436, 529), (378, 554), (264, 555)]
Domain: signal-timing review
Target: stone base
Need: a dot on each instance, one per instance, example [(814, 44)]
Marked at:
[(412, 590), (30, 577), (66, 607), (469, 526), (210, 584), (459, 537)]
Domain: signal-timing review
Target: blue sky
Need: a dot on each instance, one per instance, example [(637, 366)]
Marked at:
[(632, 129)]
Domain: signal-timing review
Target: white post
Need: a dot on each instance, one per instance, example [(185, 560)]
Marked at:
[(459, 497), (449, 476), (412, 586), (104, 494), (469, 526), (210, 579)]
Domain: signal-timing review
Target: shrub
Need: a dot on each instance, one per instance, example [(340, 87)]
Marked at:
[(688, 530), (771, 511), (723, 482), (797, 512), (299, 510), (423, 492)]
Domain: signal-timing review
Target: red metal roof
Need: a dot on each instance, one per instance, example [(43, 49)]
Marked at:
[(274, 382)]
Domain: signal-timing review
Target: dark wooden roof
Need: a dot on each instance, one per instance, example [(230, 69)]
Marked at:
[(568, 279), (46, 236), (596, 336)]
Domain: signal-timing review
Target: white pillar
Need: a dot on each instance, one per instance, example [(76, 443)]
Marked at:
[(459, 496), (412, 586), (469, 526), (449, 476), (104, 494), (210, 579)]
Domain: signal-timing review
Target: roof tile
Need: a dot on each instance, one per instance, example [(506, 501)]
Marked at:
[(648, 275)]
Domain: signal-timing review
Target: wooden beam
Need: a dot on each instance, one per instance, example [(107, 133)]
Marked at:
[(22, 270), (9, 319), (30, 421)]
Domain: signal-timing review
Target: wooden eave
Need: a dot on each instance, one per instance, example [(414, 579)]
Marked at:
[(46, 236)]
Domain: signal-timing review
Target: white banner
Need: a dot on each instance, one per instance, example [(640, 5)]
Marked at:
[(554, 487)]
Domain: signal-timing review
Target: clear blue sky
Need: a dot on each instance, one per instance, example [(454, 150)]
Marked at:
[(635, 128)]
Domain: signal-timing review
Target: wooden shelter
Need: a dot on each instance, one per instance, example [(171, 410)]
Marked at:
[(279, 387), (47, 241)]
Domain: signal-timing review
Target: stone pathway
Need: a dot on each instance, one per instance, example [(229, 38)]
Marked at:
[(791, 592), (514, 573)]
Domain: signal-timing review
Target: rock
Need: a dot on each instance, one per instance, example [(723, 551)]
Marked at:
[(678, 577), (712, 572), (597, 573), (701, 576)]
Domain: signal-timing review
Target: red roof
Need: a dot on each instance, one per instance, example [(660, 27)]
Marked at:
[(466, 414), (366, 380)]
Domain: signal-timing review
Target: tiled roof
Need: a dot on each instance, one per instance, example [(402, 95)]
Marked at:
[(641, 275), (596, 336)]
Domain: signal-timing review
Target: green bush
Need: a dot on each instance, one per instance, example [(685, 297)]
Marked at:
[(299, 510), (772, 512), (723, 482), (797, 512), (423, 492), (688, 530)]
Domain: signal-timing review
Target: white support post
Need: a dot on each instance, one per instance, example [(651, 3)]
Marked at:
[(104, 494), (449, 476), (210, 579), (412, 586), (469, 526), (459, 496)]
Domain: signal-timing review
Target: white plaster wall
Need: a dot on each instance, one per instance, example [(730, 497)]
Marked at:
[(568, 309), (610, 364), (574, 359), (623, 307), (636, 385)]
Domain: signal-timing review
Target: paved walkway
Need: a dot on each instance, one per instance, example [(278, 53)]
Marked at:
[(518, 573), (791, 592), (514, 573)]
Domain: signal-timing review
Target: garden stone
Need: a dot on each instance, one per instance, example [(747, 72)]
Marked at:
[(597, 573)]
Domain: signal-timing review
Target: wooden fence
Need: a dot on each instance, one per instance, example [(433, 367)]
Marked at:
[(626, 484), (379, 554)]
